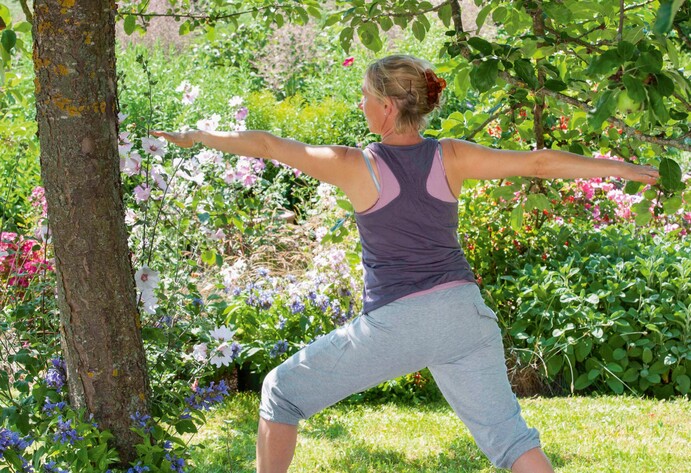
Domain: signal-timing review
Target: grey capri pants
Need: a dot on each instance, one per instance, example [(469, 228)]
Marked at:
[(451, 331)]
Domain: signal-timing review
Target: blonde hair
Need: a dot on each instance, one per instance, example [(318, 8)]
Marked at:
[(410, 83)]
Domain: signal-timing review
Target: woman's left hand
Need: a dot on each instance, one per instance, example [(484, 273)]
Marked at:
[(644, 174)]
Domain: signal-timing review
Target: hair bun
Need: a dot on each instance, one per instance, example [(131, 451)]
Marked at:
[(435, 85)]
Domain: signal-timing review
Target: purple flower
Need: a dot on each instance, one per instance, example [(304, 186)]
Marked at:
[(51, 467), (138, 468), (322, 301), (11, 440), (279, 348), (297, 306), (241, 114), (281, 322), (65, 432), (205, 398), (57, 374), (142, 421), (51, 409)]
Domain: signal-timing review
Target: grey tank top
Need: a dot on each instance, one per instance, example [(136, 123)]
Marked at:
[(410, 244)]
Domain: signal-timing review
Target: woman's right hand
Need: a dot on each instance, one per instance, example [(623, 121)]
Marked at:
[(183, 139)]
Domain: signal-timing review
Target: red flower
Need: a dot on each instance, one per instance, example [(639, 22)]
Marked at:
[(348, 61)]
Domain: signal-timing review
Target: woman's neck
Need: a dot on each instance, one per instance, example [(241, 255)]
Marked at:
[(401, 139)]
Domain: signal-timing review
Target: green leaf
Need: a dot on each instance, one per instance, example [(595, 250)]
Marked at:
[(605, 107), (129, 24), (8, 40), (647, 356), (670, 175), (481, 45), (517, 218), (650, 61), (525, 70), (632, 187), (555, 85), (635, 88), (345, 205), (683, 384), (665, 16), (592, 299), (605, 63), (184, 28), (445, 14), (672, 205), (369, 35), (385, 23), (484, 77), (582, 382), (186, 426), (537, 201), (664, 85), (615, 385), (346, 38), (626, 50), (209, 257), (642, 211), (481, 16), (419, 30)]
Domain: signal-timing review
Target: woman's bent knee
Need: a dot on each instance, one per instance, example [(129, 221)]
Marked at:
[(276, 405)]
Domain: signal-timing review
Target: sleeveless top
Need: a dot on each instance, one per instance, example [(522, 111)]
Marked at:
[(410, 242)]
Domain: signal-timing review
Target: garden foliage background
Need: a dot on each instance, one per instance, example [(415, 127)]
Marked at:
[(240, 262)]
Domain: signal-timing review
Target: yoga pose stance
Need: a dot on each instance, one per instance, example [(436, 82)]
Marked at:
[(421, 306)]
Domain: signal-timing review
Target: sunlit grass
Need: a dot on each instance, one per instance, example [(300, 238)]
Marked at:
[(579, 434)]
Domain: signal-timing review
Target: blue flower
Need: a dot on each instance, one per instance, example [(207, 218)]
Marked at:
[(281, 322), (279, 348), (51, 467), (65, 432), (205, 398), (138, 468), (57, 375), (11, 440), (297, 306), (142, 421), (52, 409), (262, 272), (322, 301)]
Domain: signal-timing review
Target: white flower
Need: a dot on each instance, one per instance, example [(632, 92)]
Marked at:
[(189, 92), (200, 352), (209, 124), (124, 143), (130, 217), (132, 164), (122, 117), (222, 334), (149, 301), (235, 101), (223, 356), (320, 233), (154, 146), (146, 279), (209, 156), (157, 175)]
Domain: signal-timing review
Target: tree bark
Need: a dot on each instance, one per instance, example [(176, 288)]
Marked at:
[(76, 103)]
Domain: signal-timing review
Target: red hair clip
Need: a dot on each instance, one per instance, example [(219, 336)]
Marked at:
[(435, 85)]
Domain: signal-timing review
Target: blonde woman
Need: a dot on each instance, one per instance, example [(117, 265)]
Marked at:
[(421, 306)]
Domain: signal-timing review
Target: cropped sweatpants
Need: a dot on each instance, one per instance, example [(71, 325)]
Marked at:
[(450, 331)]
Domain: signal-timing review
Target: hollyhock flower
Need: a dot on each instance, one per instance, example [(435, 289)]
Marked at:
[(222, 334), (225, 354), (157, 175), (209, 156), (241, 114), (154, 146), (130, 217), (189, 92), (142, 193), (235, 101), (348, 61), (42, 233), (146, 279), (149, 302), (122, 117), (131, 164), (209, 124), (200, 352), (124, 143)]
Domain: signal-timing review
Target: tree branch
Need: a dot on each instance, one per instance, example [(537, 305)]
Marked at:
[(27, 11), (685, 38), (620, 30), (457, 16), (538, 119), (492, 117)]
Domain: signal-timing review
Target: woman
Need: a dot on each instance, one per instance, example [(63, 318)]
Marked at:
[(421, 306)]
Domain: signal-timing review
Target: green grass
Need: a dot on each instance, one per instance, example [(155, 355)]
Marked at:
[(580, 434)]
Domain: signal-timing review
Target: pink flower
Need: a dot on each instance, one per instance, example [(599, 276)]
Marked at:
[(154, 146), (348, 61), (124, 143), (189, 92), (209, 124), (142, 193), (241, 114)]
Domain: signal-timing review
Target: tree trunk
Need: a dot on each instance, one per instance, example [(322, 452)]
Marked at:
[(74, 61)]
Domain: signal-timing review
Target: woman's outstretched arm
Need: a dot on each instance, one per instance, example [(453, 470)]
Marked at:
[(333, 164), (472, 161)]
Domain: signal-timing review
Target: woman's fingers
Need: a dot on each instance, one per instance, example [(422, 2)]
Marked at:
[(180, 139)]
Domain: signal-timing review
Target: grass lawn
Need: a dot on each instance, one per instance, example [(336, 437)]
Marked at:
[(579, 434)]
